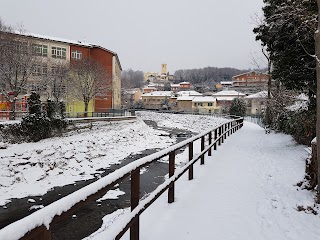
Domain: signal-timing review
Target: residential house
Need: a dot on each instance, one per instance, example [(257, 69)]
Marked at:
[(205, 104), (224, 98), (156, 99), (184, 103), (183, 86), (256, 103)]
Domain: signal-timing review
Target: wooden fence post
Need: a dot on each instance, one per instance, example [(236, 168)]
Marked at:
[(202, 148), (215, 138), (190, 158), (222, 133), (210, 141), (135, 191), (172, 156)]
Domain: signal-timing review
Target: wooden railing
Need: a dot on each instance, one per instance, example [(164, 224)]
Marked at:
[(37, 226)]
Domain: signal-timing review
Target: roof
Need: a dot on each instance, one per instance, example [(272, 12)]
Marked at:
[(248, 73), (185, 98), (150, 88), (188, 93), (175, 85), (204, 99), (184, 83), (228, 93), (159, 94), (225, 98), (262, 94), (226, 82)]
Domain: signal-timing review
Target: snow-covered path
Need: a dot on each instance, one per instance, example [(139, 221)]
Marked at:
[(246, 190)]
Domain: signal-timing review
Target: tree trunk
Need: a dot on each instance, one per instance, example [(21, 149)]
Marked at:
[(86, 104), (317, 44), (12, 115), (268, 117)]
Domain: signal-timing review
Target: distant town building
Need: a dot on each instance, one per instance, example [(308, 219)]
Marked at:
[(251, 80), (224, 98), (256, 103)]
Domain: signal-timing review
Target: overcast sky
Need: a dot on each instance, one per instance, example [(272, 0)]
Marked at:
[(145, 33)]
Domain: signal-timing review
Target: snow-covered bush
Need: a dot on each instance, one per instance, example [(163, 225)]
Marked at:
[(300, 124), (37, 124)]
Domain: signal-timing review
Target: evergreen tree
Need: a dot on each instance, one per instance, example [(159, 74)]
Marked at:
[(36, 125), (287, 32), (238, 107)]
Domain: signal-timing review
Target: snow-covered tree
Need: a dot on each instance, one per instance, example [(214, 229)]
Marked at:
[(287, 32), (238, 107)]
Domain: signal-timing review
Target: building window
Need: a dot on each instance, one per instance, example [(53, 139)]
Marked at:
[(210, 104), (40, 50), (57, 71), (76, 55), (40, 70), (58, 52)]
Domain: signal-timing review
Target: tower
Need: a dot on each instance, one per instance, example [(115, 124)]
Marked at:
[(163, 69)]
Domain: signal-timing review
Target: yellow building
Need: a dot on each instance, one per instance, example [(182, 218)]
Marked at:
[(205, 105), (75, 108), (156, 100)]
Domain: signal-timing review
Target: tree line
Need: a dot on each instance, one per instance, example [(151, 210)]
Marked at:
[(207, 75)]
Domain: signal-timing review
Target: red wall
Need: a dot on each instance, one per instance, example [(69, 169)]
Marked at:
[(105, 58), (85, 51)]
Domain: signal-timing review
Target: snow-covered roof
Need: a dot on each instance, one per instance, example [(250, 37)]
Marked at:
[(175, 85), (188, 93), (184, 83), (185, 98), (228, 93), (226, 82), (158, 94), (262, 94), (225, 98), (154, 88), (204, 99), (248, 73)]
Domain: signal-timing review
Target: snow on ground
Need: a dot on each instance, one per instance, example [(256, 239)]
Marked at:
[(193, 123), (31, 169), (246, 190)]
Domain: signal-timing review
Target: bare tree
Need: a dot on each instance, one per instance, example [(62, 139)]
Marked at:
[(88, 79), (131, 79), (19, 64), (56, 81)]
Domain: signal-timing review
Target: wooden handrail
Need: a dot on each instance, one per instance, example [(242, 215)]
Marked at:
[(45, 217)]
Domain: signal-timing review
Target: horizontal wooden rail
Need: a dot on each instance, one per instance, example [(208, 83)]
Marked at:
[(43, 219)]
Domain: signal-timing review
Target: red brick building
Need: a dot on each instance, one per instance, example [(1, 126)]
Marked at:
[(250, 79)]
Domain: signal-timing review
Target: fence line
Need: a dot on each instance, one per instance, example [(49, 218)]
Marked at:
[(43, 219)]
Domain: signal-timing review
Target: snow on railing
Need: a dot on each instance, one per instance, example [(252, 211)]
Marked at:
[(37, 225)]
